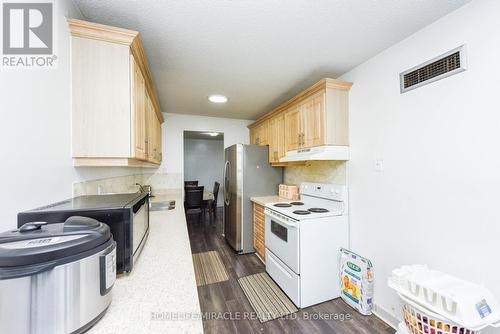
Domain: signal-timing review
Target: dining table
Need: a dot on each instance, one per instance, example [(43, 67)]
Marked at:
[(207, 194)]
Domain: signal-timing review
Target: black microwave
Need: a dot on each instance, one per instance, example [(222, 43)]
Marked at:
[(127, 215)]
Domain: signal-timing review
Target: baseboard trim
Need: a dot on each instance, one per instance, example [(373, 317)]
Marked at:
[(261, 260), (386, 316)]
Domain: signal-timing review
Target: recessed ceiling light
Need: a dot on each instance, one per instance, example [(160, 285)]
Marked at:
[(213, 134), (217, 98)]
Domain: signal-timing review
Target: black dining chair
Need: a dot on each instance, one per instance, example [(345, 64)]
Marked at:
[(216, 194), (193, 201), (211, 205), (190, 183)]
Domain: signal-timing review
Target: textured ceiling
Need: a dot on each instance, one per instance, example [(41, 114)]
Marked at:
[(259, 53)]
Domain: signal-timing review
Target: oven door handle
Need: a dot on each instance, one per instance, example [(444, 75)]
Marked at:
[(283, 223)]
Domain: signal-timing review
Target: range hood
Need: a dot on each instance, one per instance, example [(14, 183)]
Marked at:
[(327, 152)]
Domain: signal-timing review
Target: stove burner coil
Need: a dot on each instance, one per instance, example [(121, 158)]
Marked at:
[(318, 210), (282, 205), (302, 212)]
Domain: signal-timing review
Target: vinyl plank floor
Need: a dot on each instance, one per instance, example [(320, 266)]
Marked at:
[(227, 309)]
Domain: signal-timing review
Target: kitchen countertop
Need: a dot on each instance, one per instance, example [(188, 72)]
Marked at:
[(160, 294), (263, 200)]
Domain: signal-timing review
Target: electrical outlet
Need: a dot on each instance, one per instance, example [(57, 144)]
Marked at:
[(379, 165)]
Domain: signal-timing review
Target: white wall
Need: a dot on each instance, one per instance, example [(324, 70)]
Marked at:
[(204, 161), (436, 202), (235, 131), (35, 132)]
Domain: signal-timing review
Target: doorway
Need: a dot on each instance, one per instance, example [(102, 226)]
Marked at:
[(204, 159)]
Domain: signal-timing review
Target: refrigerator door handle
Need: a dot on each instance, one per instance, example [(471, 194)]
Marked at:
[(227, 174)]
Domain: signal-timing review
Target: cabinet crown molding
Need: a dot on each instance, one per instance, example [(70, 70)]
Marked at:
[(322, 84), (101, 32), (131, 38)]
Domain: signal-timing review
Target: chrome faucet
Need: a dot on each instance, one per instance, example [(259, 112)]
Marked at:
[(145, 189)]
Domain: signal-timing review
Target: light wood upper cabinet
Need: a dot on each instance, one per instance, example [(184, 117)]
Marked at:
[(259, 135), (314, 125), (154, 134), (306, 124), (100, 99), (276, 133), (113, 98), (140, 103), (151, 125), (293, 126), (317, 116), (253, 136), (264, 134)]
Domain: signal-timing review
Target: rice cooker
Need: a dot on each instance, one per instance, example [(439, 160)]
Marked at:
[(56, 278)]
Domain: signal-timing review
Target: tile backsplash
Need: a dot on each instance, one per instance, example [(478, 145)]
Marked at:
[(313, 171), (160, 182), (317, 171)]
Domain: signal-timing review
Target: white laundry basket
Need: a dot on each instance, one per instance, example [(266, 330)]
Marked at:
[(438, 303), (421, 321)]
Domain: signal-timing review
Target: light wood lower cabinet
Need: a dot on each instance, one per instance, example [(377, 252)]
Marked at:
[(116, 116), (258, 231)]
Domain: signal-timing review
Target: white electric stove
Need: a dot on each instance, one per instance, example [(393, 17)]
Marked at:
[(303, 239)]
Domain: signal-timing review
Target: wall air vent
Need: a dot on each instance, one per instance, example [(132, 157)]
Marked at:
[(452, 62)]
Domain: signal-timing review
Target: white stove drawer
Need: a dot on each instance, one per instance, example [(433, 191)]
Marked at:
[(287, 280)]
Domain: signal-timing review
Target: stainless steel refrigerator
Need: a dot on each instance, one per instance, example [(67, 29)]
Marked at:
[(247, 173)]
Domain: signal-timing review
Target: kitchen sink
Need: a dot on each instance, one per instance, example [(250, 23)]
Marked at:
[(162, 206)]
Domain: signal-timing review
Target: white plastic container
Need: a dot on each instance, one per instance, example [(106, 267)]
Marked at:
[(463, 306), (356, 281), (402, 329)]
